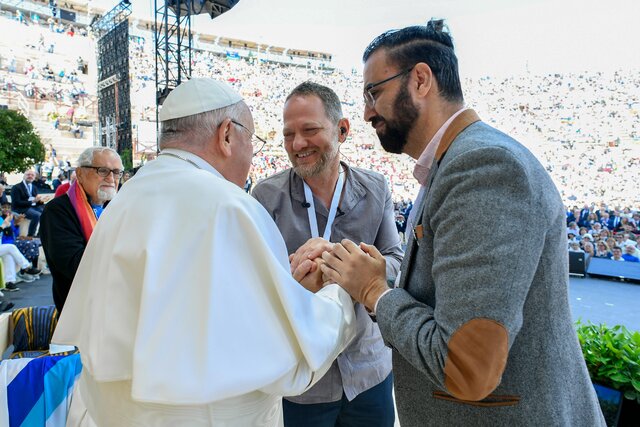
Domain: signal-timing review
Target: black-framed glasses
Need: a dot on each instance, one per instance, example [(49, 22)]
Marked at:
[(104, 172), (369, 100), (257, 142)]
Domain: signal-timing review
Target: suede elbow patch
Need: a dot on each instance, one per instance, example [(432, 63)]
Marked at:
[(476, 359)]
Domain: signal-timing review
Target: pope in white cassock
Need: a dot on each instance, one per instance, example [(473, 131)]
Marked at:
[(183, 307)]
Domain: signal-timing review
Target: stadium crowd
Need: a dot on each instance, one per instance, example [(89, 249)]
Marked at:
[(604, 233), (584, 127), (47, 63)]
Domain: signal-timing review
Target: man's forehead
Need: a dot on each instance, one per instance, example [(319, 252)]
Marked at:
[(309, 108), (302, 100), (106, 156), (378, 64)]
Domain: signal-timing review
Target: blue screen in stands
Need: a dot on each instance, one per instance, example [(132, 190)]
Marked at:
[(609, 267)]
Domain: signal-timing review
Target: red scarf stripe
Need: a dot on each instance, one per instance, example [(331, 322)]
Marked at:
[(83, 209)]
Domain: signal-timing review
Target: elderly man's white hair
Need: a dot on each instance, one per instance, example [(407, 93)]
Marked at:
[(193, 112), (86, 157), (198, 128)]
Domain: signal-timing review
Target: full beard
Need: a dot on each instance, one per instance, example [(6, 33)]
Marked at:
[(308, 171), (105, 195), (395, 134)]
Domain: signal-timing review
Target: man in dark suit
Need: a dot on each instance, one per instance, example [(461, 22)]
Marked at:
[(601, 210), (479, 337), (63, 234), (26, 200), (614, 223), (583, 220)]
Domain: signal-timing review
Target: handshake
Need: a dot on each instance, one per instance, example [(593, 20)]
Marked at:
[(358, 269)]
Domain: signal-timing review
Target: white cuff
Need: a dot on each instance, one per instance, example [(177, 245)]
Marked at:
[(375, 306)]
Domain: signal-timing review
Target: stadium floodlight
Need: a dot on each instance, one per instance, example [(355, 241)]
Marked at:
[(196, 7)]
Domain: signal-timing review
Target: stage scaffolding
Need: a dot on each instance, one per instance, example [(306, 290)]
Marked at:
[(114, 101), (174, 41)]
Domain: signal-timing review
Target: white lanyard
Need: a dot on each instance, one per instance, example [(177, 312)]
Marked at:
[(311, 209)]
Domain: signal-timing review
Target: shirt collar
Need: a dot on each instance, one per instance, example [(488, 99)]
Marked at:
[(423, 165), (202, 163), (351, 194)]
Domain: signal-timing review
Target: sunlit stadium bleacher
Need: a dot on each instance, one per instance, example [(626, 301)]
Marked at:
[(584, 127)]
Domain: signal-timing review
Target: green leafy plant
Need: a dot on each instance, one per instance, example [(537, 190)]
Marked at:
[(612, 356), (20, 145), (127, 159)]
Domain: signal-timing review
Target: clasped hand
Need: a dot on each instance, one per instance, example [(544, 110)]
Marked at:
[(309, 275), (358, 269), (311, 250)]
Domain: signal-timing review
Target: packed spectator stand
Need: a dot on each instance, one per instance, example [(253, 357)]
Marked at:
[(44, 73), (585, 127)]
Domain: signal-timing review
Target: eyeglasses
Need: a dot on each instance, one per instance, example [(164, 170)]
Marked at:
[(257, 142), (369, 100), (104, 172)]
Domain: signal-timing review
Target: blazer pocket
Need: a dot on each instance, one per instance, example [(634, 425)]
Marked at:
[(493, 400)]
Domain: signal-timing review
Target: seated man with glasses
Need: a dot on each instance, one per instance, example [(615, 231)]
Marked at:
[(67, 221)]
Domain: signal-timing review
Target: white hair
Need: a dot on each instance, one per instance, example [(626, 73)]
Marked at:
[(86, 157), (197, 128)]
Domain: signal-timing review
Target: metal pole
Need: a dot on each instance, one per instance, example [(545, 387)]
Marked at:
[(157, 43), (117, 119)]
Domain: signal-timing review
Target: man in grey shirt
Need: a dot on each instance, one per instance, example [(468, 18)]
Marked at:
[(322, 200)]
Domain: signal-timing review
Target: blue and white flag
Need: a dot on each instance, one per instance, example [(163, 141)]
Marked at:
[(37, 392)]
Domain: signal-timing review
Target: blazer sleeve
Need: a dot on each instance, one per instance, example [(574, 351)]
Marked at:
[(19, 197), (62, 239), (462, 344)]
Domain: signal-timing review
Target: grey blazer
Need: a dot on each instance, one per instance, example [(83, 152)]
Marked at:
[(480, 325)]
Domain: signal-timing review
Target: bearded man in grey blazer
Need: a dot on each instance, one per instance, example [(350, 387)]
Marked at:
[(481, 334)]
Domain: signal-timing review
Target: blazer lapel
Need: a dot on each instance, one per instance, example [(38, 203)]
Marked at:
[(460, 123)]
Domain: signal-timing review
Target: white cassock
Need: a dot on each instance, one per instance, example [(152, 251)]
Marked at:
[(184, 309)]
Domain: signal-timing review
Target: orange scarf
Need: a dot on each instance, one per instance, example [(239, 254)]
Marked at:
[(83, 209)]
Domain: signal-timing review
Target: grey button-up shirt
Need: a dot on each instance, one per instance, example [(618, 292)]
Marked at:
[(365, 215)]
